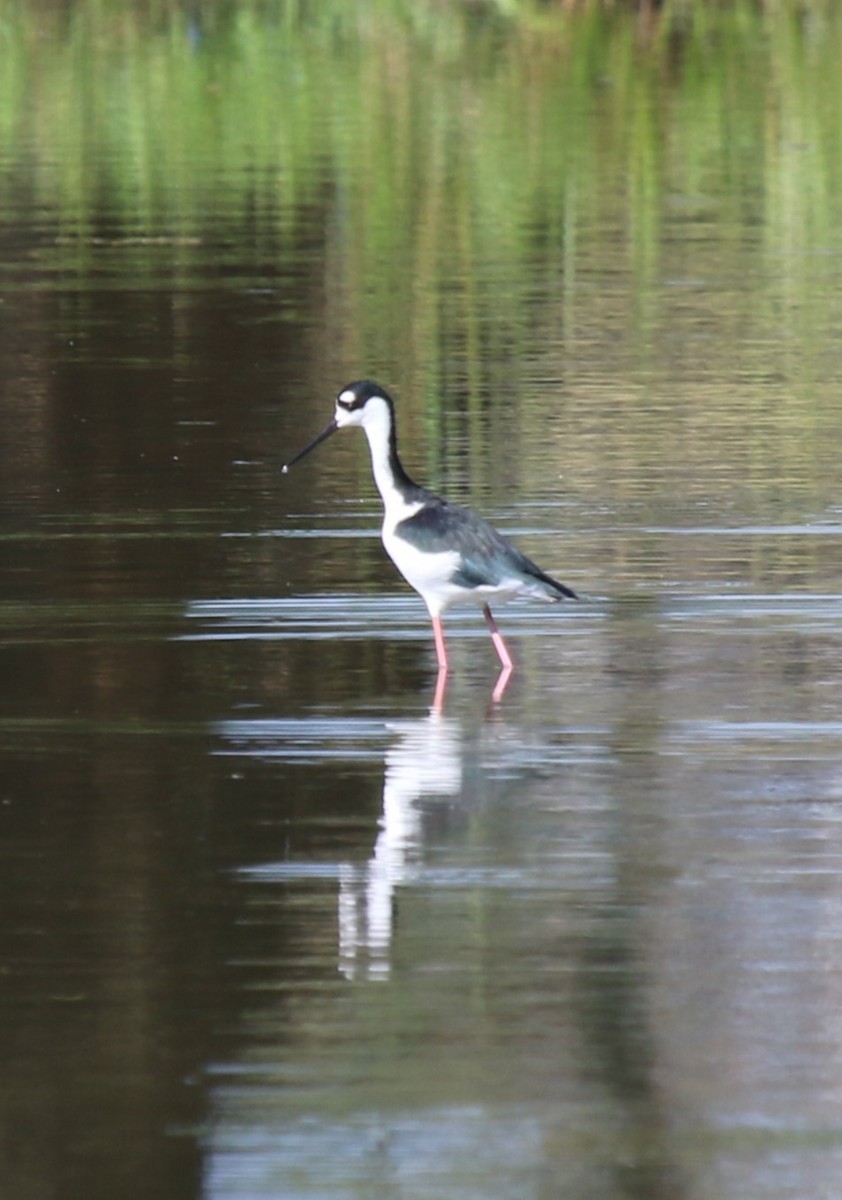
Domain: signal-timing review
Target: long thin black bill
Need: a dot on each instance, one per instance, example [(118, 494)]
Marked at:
[(332, 428)]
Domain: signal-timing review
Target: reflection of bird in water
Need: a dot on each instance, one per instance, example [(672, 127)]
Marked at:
[(446, 552), (426, 761)]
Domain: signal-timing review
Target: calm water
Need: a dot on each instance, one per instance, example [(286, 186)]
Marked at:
[(273, 927)]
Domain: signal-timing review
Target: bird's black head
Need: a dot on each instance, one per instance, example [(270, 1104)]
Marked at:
[(355, 396), (362, 403)]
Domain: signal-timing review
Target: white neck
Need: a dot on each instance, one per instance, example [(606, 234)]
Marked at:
[(389, 476), (378, 445)]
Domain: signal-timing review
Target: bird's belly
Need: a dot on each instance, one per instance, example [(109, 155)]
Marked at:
[(429, 573), (432, 575)]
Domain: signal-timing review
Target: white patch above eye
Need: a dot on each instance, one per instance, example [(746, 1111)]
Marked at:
[(346, 398)]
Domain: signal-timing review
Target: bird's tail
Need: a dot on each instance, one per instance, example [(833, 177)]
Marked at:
[(547, 588), (564, 592)]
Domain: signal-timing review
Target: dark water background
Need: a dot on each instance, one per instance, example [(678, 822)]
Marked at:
[(270, 926)]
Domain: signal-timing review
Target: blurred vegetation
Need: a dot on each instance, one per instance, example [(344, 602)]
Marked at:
[(492, 180), (163, 106)]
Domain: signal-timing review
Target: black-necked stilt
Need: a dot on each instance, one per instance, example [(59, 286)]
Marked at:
[(446, 552)]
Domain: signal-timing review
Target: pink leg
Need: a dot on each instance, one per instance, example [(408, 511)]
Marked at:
[(441, 652), (441, 656), (441, 691), (497, 638), (501, 684)]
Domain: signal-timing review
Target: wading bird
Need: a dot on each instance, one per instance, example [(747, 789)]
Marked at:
[(446, 552)]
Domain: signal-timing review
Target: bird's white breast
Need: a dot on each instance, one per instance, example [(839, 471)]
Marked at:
[(428, 572)]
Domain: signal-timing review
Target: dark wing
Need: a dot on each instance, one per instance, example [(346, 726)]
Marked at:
[(487, 557)]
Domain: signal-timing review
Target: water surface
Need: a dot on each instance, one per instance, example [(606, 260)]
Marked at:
[(273, 925)]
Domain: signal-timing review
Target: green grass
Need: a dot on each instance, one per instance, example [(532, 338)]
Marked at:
[(460, 159)]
